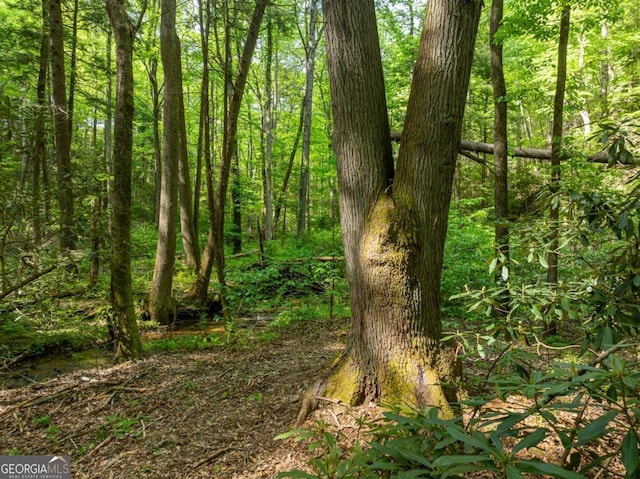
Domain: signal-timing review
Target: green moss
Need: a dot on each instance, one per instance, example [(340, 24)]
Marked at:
[(345, 383)]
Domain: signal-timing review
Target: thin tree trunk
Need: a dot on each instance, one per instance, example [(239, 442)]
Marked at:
[(73, 74), (556, 155), (108, 122), (303, 187), (127, 338), (40, 147), (500, 151), (268, 127), (280, 202), (214, 249), (61, 129)]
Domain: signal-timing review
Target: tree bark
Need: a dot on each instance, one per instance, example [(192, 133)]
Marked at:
[(268, 130), (127, 338), (556, 155), (394, 224), (40, 147), (161, 302), (500, 153), (303, 187), (61, 129)]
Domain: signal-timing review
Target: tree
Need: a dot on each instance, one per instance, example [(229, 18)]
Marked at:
[(556, 152), (394, 220), (127, 338), (303, 187), (61, 129), (500, 153), (161, 302), (214, 248)]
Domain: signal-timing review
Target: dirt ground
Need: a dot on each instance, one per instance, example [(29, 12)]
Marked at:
[(208, 414), (213, 413)]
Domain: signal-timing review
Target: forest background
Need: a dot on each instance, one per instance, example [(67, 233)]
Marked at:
[(247, 149)]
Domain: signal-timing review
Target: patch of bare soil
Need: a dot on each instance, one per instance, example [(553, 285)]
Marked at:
[(213, 413)]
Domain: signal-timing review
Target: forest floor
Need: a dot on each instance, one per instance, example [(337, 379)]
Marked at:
[(213, 413)]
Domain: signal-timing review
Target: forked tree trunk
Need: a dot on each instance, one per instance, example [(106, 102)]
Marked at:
[(394, 224)]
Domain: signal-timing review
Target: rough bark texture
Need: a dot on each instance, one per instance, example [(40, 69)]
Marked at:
[(394, 225), (127, 338), (161, 303), (61, 129)]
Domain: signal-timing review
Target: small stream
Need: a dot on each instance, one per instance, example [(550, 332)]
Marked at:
[(47, 366)]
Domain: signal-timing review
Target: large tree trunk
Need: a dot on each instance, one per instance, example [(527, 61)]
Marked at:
[(61, 129), (394, 226), (556, 155), (127, 338), (161, 302)]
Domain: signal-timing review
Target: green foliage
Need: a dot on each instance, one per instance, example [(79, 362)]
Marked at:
[(573, 405)]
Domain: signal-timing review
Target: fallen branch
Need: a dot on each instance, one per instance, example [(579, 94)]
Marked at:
[(36, 401), (215, 456), (26, 281), (531, 153)]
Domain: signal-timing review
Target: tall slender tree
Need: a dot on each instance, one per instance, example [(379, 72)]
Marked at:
[(62, 134), (500, 152), (161, 301), (303, 186), (557, 153), (127, 338)]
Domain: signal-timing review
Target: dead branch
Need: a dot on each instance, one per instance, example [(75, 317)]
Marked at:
[(530, 153), (26, 281)]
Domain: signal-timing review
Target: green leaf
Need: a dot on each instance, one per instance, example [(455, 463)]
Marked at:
[(460, 459), (543, 261), (597, 428), (509, 422), (468, 439), (537, 467), (530, 440), (630, 452), (513, 472)]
